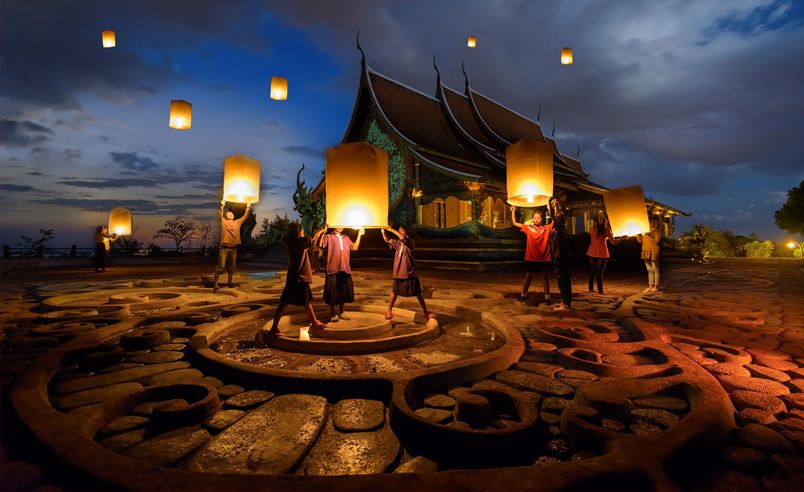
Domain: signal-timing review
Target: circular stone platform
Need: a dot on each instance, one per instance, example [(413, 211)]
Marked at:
[(366, 331)]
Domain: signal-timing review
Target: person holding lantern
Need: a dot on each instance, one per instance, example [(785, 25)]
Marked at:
[(559, 245), (598, 251), (230, 240), (650, 255), (406, 282), (102, 238), (297, 282), (538, 258), (338, 286)]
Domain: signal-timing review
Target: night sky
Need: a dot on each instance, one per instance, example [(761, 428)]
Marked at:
[(700, 102)]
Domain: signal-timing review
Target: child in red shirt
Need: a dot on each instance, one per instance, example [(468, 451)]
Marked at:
[(538, 258)]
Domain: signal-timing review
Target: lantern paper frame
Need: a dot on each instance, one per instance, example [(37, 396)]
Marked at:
[(279, 88), (181, 114), (471, 42), (529, 173), (241, 179), (108, 39), (566, 56), (120, 221), (627, 212), (357, 186)]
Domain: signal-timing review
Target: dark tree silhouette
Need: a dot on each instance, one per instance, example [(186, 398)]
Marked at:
[(791, 216), (179, 229)]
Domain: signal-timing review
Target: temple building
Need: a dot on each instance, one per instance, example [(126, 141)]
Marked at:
[(447, 169)]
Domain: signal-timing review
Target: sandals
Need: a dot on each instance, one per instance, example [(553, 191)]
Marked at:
[(388, 315), (263, 337), (429, 315), (521, 297), (318, 326)]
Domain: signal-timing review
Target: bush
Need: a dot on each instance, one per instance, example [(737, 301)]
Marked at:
[(759, 249)]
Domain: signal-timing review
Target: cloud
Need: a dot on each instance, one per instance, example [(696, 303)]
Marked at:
[(17, 188), (72, 154), (133, 161), (23, 133), (109, 182), (137, 206), (305, 150)]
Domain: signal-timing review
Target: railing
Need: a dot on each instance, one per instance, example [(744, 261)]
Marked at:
[(76, 252)]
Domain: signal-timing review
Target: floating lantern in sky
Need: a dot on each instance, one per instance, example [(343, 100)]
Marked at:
[(181, 114), (241, 179), (566, 56), (471, 42), (627, 212), (357, 186), (108, 39), (529, 172), (120, 221), (279, 88)]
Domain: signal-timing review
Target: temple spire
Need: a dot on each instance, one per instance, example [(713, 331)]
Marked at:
[(360, 48), (438, 73), (539, 115), (553, 133), (578, 153), (465, 77)]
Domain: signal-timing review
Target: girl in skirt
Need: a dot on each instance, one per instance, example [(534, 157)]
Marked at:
[(297, 284), (338, 286), (406, 283)]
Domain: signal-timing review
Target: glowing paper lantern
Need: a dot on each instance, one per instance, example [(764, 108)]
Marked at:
[(529, 172), (108, 39), (279, 88), (181, 114), (471, 42), (120, 221), (357, 186), (241, 179), (628, 215), (566, 56)]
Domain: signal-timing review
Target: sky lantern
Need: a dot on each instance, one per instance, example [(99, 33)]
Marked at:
[(627, 212), (181, 114), (566, 56), (529, 172), (471, 42), (108, 39), (241, 179), (357, 186), (279, 88), (120, 221)]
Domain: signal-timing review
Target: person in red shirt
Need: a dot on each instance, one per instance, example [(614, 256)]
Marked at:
[(338, 286), (598, 251), (538, 257)]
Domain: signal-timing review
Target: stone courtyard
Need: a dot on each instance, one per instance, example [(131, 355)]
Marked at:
[(154, 382)]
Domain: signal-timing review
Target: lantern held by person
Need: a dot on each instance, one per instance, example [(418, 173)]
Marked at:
[(529, 172), (241, 179), (120, 221), (566, 56), (628, 215), (181, 114), (471, 42), (279, 88), (108, 39), (357, 186)]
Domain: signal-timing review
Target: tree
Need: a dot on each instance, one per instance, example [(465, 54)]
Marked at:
[(272, 231), (179, 229), (759, 249), (203, 232), (31, 247), (791, 216)]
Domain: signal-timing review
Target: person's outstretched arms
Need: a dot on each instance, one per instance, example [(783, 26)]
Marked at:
[(359, 237), (513, 218), (220, 210)]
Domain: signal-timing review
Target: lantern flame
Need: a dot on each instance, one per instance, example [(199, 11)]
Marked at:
[(791, 245), (181, 115), (357, 186), (108, 39), (529, 173), (471, 42), (279, 88), (241, 179), (628, 215)]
